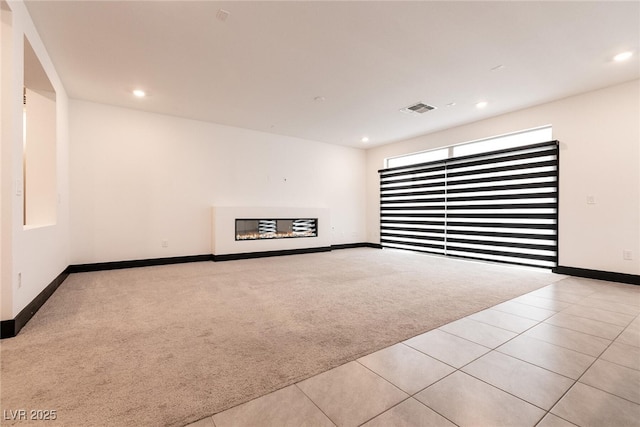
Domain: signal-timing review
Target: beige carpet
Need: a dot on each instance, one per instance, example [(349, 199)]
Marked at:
[(168, 345)]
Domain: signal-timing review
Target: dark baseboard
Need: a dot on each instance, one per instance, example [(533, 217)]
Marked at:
[(250, 255), (632, 279), (356, 245), (10, 328), (116, 265)]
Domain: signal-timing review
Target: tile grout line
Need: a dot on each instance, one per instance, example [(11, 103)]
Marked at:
[(547, 411), (595, 308), (417, 349), (538, 366), (597, 320), (564, 419), (599, 358), (510, 330), (608, 392), (384, 412), (481, 380), (313, 402), (568, 348), (524, 361), (576, 381), (526, 305), (412, 396), (582, 332)]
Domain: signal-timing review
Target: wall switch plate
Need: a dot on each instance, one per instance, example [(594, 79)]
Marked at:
[(165, 243), (19, 280), (627, 255), (18, 187)]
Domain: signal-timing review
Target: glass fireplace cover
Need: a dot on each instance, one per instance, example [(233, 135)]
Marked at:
[(257, 229)]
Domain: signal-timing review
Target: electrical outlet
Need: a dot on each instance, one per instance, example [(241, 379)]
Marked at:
[(627, 255), (165, 243), (19, 280)]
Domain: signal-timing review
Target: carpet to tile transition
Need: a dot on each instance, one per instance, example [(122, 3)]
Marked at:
[(168, 345)]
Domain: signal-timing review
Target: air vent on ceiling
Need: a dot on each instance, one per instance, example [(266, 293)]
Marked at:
[(419, 108), (222, 15)]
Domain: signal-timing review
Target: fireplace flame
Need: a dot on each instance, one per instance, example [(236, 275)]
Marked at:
[(275, 235)]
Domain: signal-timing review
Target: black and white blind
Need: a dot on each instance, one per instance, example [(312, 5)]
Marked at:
[(498, 206)]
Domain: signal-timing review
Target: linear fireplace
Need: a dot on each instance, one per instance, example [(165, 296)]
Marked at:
[(236, 230), (258, 229)]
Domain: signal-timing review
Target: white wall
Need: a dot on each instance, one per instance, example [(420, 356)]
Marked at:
[(139, 178), (37, 255), (599, 134)]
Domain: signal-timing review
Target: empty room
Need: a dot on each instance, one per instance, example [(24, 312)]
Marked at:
[(320, 213)]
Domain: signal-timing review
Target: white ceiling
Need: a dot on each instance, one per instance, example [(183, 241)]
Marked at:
[(262, 68)]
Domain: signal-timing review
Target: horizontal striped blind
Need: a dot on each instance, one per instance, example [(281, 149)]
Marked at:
[(498, 206)]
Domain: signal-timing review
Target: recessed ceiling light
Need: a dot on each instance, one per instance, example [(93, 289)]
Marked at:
[(482, 104), (139, 93), (497, 68), (319, 98), (623, 56), (365, 139), (451, 104)]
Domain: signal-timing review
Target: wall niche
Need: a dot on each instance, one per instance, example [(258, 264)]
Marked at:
[(40, 193)]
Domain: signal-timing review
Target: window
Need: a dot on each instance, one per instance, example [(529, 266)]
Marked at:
[(499, 205), (422, 157), (511, 140)]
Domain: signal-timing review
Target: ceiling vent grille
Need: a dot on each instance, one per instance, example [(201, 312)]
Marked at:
[(419, 108)]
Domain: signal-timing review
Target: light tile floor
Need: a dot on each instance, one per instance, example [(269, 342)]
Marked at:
[(564, 355)]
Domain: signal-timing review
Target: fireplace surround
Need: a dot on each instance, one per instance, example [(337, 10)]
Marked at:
[(225, 239)]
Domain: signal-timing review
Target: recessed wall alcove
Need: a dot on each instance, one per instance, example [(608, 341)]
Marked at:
[(39, 177)]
